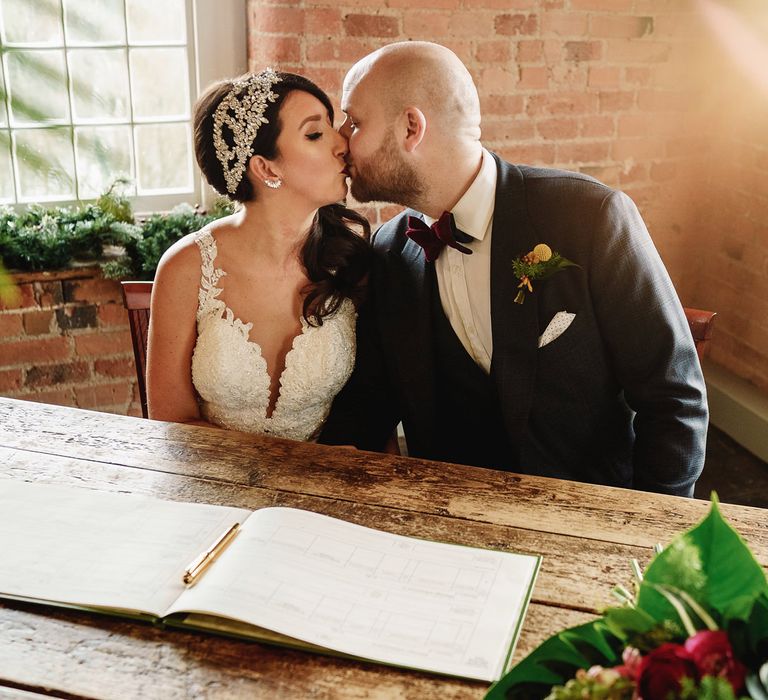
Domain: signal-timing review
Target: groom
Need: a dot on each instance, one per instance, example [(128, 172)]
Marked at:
[(593, 377)]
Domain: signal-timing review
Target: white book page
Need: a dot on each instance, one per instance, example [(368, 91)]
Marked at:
[(394, 599), (97, 549)]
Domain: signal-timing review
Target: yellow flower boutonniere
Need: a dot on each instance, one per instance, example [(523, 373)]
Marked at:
[(539, 264)]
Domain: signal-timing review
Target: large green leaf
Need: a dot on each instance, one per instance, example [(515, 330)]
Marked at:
[(710, 562), (557, 659)]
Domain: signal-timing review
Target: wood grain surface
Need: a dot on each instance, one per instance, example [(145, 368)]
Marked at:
[(587, 534)]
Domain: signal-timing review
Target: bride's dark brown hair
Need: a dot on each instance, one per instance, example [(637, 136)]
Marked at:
[(335, 258)]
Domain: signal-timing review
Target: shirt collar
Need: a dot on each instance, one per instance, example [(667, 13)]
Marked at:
[(474, 210)]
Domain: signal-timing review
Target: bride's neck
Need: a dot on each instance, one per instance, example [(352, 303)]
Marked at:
[(276, 232)]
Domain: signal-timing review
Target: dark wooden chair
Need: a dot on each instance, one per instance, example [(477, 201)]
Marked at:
[(700, 323), (136, 297)]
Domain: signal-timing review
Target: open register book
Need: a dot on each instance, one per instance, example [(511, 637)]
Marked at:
[(289, 577)]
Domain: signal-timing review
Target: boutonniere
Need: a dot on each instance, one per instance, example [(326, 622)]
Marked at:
[(539, 264)]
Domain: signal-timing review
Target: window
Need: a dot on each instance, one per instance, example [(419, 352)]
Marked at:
[(95, 89)]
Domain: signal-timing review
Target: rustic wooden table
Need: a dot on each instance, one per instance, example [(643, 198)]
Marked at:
[(587, 534)]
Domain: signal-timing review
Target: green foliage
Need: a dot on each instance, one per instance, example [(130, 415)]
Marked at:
[(711, 564), (52, 238)]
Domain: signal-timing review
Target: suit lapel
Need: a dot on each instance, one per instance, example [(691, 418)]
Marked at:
[(409, 307), (514, 326)]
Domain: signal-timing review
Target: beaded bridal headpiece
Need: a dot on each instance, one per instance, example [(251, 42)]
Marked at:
[(242, 111)]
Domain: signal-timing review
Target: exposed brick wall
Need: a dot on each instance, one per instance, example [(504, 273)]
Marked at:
[(629, 91), (65, 340)]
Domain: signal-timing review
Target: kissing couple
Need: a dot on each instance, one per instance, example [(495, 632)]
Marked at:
[(511, 317)]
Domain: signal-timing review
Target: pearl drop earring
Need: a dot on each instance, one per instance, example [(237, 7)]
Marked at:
[(274, 184)]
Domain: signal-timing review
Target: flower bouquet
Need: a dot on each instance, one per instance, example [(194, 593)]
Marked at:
[(696, 628)]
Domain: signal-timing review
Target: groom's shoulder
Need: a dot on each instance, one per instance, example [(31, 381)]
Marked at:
[(391, 234)]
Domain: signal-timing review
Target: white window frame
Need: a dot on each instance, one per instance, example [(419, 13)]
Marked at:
[(217, 48)]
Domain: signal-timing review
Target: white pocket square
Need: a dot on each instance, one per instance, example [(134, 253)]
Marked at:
[(557, 326)]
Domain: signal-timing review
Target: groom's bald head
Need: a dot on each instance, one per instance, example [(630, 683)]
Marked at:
[(423, 75)]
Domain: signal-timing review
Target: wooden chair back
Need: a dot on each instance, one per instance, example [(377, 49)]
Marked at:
[(136, 297), (700, 323)]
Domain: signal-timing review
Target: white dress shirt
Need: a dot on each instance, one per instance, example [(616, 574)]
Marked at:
[(464, 281)]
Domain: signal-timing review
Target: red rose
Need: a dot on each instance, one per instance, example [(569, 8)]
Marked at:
[(713, 655), (661, 671)]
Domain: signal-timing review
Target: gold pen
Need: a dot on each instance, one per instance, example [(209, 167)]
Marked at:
[(200, 563)]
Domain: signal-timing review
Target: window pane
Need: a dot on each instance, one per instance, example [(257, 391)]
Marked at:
[(164, 158), (94, 22), (103, 154), (100, 84), (46, 164), (6, 172), (38, 87), (160, 81), (156, 21), (3, 113), (32, 21)]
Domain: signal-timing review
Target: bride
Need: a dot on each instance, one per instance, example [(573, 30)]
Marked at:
[(252, 323)]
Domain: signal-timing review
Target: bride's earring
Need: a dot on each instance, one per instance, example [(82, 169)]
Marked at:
[(274, 184)]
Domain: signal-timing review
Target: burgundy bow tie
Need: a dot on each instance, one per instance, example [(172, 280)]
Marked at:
[(434, 238)]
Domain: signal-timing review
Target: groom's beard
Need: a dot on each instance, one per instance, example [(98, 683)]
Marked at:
[(386, 177)]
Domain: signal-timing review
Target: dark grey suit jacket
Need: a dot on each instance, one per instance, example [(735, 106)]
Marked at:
[(617, 399)]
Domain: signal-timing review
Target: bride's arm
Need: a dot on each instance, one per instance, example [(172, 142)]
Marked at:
[(172, 336)]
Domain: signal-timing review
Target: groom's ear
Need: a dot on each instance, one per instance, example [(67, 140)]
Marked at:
[(415, 127)]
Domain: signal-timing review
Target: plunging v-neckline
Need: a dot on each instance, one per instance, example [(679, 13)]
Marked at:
[(228, 316)]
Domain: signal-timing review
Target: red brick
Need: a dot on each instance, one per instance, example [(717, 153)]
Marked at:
[(761, 160), (508, 130), (101, 395), (497, 81), (529, 51), (632, 125), (606, 174), (10, 380), (19, 296), (604, 76), (501, 4), (49, 293), (664, 101), (616, 101), (582, 50), (113, 315), (10, 325), (92, 290), (493, 51), (631, 51), (38, 322), (562, 103), (589, 152), (265, 49), (556, 129), (637, 149), (119, 367), (424, 24), (617, 26), (103, 343), (51, 375), (59, 397), (511, 25), (38, 350), (277, 20), (390, 212), (606, 5), (472, 24), (534, 154), (534, 77), (565, 24), (598, 126), (371, 25), (432, 4), (502, 104), (322, 21), (637, 76)]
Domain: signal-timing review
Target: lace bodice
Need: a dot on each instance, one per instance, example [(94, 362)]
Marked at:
[(230, 374)]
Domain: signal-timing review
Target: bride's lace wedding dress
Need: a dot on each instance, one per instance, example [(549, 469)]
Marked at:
[(230, 374)]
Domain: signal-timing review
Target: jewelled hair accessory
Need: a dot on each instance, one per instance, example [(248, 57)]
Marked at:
[(242, 111)]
